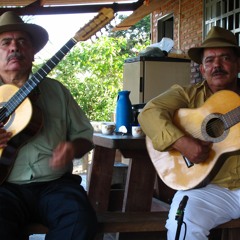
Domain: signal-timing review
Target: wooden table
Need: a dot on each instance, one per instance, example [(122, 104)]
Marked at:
[(141, 174)]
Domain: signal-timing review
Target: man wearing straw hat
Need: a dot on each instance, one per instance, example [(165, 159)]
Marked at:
[(40, 186), (218, 200)]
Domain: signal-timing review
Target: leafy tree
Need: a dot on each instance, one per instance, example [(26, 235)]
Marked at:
[(93, 71), (138, 32), (137, 35)]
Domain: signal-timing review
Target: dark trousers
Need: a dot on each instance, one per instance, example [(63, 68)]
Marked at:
[(62, 205)]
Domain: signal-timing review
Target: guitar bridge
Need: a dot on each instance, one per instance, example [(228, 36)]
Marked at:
[(188, 163)]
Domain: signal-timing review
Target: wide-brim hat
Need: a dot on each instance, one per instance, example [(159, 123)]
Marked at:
[(10, 21), (216, 37)]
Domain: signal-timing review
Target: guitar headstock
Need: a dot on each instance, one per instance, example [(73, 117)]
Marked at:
[(104, 16)]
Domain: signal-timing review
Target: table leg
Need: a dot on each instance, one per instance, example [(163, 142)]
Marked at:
[(140, 182), (139, 190), (101, 177)]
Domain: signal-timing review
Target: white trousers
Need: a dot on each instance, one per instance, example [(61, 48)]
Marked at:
[(206, 208)]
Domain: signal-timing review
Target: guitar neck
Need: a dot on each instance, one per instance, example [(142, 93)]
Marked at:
[(51, 63)]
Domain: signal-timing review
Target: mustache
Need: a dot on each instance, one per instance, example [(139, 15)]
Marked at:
[(219, 70), (17, 55)]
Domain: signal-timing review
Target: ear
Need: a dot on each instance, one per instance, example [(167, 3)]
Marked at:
[(239, 64), (202, 70)]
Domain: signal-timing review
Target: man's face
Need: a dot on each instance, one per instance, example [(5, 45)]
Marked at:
[(220, 67), (16, 52)]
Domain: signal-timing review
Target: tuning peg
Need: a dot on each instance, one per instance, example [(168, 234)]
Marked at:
[(106, 28), (110, 27), (103, 31), (113, 22), (98, 34), (146, 2), (93, 39)]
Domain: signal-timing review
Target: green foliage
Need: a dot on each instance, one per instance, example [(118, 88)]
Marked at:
[(93, 72), (137, 35)]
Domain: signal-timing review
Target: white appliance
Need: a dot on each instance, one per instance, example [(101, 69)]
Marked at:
[(147, 77)]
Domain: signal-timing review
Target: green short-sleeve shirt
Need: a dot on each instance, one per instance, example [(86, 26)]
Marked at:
[(63, 120)]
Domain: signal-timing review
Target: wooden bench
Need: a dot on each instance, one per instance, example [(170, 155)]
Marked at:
[(114, 222)]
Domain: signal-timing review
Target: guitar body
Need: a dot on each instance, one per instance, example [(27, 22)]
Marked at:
[(205, 123), (24, 123)]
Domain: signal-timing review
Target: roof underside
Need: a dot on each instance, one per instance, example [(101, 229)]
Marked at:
[(41, 7), (57, 2), (140, 8)]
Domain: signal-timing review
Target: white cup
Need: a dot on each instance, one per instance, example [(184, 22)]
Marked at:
[(137, 131), (97, 126), (108, 128)]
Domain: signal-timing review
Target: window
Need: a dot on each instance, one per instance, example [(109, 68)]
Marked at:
[(222, 13), (165, 27)]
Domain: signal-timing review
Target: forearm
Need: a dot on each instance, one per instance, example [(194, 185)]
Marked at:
[(81, 146), (66, 152)]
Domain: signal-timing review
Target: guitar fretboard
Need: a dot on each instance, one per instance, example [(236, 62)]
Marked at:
[(231, 118)]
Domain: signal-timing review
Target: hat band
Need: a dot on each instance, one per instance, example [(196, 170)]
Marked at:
[(219, 40)]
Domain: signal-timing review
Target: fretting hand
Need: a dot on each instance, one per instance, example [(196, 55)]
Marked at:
[(4, 136)]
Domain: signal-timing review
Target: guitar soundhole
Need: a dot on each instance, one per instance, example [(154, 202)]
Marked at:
[(213, 128)]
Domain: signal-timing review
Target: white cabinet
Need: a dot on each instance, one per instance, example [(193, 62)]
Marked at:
[(147, 77)]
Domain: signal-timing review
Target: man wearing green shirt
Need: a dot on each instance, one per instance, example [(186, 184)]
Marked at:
[(218, 201), (40, 186)]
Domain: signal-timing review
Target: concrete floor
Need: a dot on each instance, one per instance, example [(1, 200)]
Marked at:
[(37, 237), (42, 237)]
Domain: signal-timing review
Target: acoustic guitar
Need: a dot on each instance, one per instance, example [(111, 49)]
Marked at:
[(18, 114), (216, 121)]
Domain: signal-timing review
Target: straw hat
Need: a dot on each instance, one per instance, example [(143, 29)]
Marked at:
[(216, 37), (10, 21)]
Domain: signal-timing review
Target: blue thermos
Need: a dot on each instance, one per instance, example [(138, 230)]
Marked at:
[(124, 114)]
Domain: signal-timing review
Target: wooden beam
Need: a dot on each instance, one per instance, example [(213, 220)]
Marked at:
[(42, 2), (138, 14), (36, 9), (60, 2)]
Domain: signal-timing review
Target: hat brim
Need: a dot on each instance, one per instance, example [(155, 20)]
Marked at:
[(37, 33), (195, 53)]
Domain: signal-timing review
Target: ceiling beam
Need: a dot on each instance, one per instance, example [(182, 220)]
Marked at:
[(138, 14), (36, 9)]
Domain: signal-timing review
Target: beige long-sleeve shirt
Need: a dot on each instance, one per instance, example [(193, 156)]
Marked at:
[(156, 120)]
